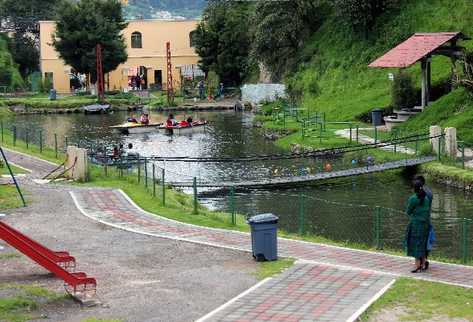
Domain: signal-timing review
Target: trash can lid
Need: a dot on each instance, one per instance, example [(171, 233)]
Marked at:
[(377, 110), (263, 219)]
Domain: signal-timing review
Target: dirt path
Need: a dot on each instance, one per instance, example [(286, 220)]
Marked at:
[(140, 278)]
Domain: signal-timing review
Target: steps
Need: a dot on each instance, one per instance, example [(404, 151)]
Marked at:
[(400, 116), (60, 263)]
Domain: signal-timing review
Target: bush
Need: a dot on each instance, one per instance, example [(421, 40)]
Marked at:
[(404, 94)]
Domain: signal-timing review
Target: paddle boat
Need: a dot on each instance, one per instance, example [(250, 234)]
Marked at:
[(136, 127), (184, 128), (96, 108)]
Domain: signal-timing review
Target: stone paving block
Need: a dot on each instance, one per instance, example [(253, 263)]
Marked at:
[(112, 207), (329, 309)]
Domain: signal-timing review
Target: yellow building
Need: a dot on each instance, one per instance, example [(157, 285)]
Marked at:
[(146, 46)]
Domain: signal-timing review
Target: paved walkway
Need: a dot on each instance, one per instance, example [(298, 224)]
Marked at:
[(365, 139), (307, 292), (114, 208), (331, 284), (39, 168)]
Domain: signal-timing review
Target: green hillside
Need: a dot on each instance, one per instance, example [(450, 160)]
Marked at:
[(337, 80)]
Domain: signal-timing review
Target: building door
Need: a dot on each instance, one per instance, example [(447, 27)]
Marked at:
[(158, 79)]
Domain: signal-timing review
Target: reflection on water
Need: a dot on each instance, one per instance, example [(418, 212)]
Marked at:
[(232, 135)]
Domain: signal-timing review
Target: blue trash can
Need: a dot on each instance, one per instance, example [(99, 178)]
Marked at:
[(52, 94), (377, 117), (264, 236)]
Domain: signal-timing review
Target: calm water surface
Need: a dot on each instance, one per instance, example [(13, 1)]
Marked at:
[(342, 210)]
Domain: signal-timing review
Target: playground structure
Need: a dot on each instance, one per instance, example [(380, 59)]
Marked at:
[(60, 263)]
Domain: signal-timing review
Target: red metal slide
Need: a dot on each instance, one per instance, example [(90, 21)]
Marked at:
[(57, 263)]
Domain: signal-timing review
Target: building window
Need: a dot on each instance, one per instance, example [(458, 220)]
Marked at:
[(192, 38), (136, 40)]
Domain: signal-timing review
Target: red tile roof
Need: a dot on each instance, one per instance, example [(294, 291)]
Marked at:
[(414, 49)]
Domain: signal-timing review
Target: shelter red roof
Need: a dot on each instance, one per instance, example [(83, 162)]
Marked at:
[(414, 49)]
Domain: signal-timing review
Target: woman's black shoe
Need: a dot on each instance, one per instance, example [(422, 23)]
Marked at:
[(417, 270), (426, 265)]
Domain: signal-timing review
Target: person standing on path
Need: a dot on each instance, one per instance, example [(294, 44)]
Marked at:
[(201, 90), (431, 237), (418, 210)]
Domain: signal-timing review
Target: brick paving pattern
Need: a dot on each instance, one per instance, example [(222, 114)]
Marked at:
[(332, 285), (110, 206), (306, 292)]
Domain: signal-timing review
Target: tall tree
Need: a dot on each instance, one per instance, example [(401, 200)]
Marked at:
[(281, 29), (361, 14), (83, 25), (20, 19), (222, 40)]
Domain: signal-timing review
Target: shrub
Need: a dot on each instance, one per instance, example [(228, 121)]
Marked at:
[(403, 92)]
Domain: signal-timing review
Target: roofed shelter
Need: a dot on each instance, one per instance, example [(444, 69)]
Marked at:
[(421, 47)]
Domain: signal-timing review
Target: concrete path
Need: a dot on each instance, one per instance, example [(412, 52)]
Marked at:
[(38, 167), (364, 139), (330, 284)]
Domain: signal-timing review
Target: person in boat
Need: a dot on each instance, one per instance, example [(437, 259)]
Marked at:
[(131, 120), (190, 120), (144, 119), (115, 152)]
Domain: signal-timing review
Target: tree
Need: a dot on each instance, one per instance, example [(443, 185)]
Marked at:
[(20, 18), (281, 30), (83, 25), (222, 40), (404, 94), (361, 15)]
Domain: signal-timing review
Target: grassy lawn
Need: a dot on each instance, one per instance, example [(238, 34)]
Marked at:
[(423, 301), (269, 269), (9, 197), (48, 153), (24, 302), (16, 170)]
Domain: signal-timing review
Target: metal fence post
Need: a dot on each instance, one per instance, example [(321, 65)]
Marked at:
[(14, 135), (463, 156), (194, 186), (351, 133), (13, 177), (154, 180), (1, 125), (27, 138), (146, 172), (55, 144), (232, 205), (465, 240), (139, 170), (163, 185), (301, 213), (40, 141), (357, 133), (375, 135), (439, 156), (378, 236)]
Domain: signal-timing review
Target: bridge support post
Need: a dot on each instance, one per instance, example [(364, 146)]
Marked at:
[(451, 143), (435, 133)]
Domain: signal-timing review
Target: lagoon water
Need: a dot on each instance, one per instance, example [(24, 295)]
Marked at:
[(343, 210)]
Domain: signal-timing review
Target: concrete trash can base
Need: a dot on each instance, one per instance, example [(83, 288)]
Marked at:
[(264, 237)]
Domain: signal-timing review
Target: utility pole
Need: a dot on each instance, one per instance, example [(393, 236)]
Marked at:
[(170, 87), (100, 80)]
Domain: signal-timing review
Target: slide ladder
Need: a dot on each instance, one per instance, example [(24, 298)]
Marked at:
[(60, 264)]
